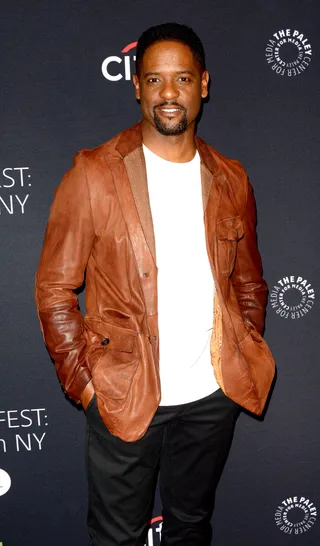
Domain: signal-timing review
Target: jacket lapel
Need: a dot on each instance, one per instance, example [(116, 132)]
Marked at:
[(210, 179), (136, 171), (208, 167), (129, 175), (130, 148), (213, 180)]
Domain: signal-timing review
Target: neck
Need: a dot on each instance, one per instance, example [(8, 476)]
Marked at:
[(176, 148)]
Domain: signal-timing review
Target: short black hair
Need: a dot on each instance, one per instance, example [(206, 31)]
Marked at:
[(170, 32)]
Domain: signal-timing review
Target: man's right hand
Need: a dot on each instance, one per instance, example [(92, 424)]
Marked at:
[(87, 395)]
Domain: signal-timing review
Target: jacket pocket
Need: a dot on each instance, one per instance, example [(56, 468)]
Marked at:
[(113, 359), (229, 232)]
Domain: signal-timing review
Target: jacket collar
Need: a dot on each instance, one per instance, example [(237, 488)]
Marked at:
[(131, 139)]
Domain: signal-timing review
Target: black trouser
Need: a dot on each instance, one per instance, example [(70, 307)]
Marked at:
[(189, 443)]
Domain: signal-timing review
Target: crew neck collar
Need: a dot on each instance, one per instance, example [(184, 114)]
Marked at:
[(195, 159)]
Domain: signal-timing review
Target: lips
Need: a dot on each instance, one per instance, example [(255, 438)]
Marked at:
[(169, 111)]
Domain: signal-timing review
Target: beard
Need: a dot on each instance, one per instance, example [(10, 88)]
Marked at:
[(173, 130)]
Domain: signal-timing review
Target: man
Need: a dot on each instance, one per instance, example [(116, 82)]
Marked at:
[(164, 229)]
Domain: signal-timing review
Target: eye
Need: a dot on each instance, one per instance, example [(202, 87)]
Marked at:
[(153, 80), (184, 79)]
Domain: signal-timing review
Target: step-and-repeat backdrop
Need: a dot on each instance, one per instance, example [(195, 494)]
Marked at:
[(66, 68)]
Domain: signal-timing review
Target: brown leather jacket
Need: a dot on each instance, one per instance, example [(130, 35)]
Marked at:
[(100, 228)]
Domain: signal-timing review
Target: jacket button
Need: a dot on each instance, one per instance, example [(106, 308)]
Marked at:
[(146, 274), (105, 341)]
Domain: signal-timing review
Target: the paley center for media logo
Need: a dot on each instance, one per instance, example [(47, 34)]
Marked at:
[(292, 297), (288, 52), (115, 67), (295, 515)]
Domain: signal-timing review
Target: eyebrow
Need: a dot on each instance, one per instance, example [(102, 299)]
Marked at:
[(179, 72)]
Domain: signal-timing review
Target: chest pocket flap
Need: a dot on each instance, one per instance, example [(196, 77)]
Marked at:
[(229, 232)]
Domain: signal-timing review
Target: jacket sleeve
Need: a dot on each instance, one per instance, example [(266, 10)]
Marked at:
[(251, 289), (67, 246)]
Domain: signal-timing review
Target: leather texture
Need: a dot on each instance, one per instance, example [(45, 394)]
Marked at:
[(100, 230)]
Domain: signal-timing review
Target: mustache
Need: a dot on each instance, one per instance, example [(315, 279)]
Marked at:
[(169, 104)]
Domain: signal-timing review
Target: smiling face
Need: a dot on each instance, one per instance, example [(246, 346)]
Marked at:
[(170, 87)]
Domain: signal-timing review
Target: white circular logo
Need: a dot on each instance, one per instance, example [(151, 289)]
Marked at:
[(292, 297), (154, 533), (5, 482), (295, 515), (288, 52)]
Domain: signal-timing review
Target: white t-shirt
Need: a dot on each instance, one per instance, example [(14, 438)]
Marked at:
[(185, 282)]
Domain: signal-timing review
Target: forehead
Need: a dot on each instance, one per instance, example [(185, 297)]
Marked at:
[(168, 55)]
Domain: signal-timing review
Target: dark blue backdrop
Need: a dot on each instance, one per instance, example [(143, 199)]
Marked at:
[(55, 100)]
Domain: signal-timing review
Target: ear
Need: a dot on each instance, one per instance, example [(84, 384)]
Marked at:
[(136, 84), (205, 84)]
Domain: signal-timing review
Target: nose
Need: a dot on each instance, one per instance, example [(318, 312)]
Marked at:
[(169, 90)]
